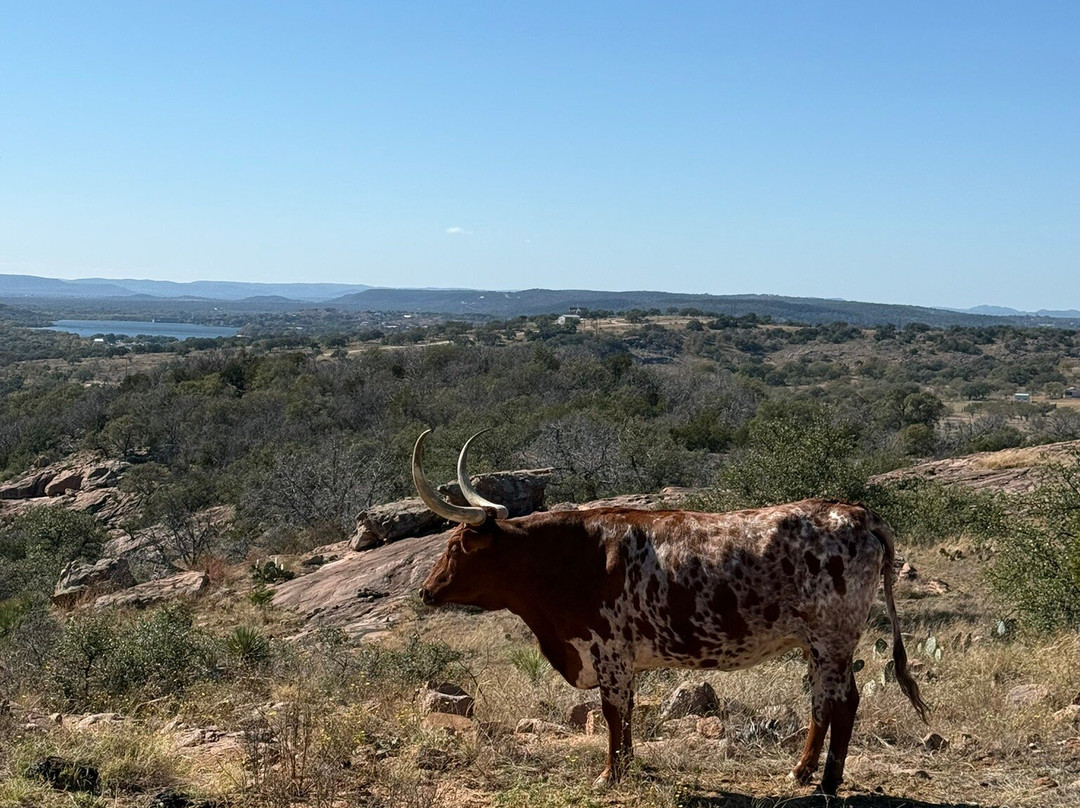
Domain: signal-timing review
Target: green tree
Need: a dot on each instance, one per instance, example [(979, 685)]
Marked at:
[(918, 440), (792, 451)]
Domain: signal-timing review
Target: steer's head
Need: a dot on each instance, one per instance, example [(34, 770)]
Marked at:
[(469, 572)]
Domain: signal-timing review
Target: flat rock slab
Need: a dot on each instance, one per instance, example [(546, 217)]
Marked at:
[(111, 506), (362, 592), (1012, 471)]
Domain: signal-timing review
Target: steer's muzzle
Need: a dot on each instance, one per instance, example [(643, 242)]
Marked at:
[(427, 598)]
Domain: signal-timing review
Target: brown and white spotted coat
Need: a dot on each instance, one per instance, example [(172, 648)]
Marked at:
[(612, 591)]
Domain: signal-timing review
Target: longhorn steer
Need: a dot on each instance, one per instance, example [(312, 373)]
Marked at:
[(612, 591)]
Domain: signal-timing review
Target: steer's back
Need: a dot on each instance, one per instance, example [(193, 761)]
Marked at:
[(729, 590)]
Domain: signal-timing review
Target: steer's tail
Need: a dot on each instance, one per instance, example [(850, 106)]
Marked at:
[(903, 677)]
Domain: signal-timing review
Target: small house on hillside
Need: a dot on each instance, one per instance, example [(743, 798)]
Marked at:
[(1021, 396), (1072, 392)]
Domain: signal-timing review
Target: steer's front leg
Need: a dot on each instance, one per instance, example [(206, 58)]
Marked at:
[(617, 702)]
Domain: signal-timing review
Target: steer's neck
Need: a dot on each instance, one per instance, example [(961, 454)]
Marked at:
[(554, 568)]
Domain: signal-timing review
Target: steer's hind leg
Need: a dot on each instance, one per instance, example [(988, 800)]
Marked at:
[(820, 715), (844, 708)]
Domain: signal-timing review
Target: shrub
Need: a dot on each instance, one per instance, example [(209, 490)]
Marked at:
[(27, 638), (924, 511), (83, 656), (271, 571), (35, 547), (247, 646), (333, 659), (1037, 564), (260, 596), (530, 661), (918, 440), (102, 660), (792, 452), (418, 662), (1005, 437)]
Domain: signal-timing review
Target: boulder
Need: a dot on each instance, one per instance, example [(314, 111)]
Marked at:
[(79, 579), (689, 698), (33, 485), (79, 472), (522, 492), (184, 585), (64, 482), (445, 698), (711, 727), (680, 727), (103, 474), (396, 520), (111, 506)]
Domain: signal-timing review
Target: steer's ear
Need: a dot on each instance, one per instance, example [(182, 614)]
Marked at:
[(471, 541)]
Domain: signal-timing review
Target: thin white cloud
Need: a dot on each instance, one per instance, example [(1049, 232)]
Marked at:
[(458, 231)]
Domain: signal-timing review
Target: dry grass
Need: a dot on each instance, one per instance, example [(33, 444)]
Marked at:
[(1014, 458)]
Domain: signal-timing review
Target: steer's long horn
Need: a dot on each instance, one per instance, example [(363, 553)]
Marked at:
[(455, 513), (472, 496)]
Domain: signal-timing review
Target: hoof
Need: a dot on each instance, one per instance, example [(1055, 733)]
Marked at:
[(603, 782), (827, 789), (801, 776)]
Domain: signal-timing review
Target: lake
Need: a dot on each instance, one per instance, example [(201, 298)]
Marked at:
[(131, 328)]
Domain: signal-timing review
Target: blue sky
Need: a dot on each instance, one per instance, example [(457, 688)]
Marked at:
[(907, 152)]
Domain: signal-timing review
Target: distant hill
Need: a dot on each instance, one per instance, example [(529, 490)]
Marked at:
[(464, 302), (235, 290), (33, 286), (20, 316), (1005, 311)]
